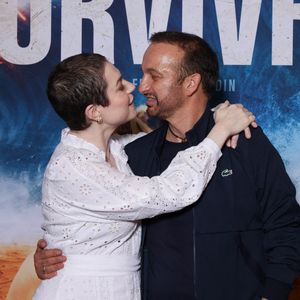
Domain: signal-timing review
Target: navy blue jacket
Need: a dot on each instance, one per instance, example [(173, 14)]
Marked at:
[(245, 227)]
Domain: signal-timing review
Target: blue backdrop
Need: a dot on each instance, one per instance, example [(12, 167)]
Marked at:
[(266, 83)]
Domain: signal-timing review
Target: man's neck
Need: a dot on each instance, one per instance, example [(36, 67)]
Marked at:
[(184, 120)]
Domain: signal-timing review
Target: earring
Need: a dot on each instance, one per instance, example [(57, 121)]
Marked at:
[(99, 120)]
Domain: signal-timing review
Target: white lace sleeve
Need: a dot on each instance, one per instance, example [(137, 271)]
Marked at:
[(78, 185)]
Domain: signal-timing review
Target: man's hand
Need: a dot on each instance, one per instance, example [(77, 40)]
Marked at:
[(47, 261)]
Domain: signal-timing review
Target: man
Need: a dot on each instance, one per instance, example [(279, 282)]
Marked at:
[(241, 240)]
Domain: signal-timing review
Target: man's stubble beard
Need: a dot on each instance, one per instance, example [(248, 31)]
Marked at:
[(166, 108)]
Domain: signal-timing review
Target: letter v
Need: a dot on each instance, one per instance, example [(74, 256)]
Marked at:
[(237, 48), (136, 16)]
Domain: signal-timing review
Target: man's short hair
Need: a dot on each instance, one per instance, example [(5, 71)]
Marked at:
[(75, 83), (198, 57)]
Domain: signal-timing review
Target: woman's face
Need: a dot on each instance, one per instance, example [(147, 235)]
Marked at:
[(120, 108)]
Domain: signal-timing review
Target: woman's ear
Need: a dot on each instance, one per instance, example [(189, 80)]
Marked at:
[(93, 113), (192, 83)]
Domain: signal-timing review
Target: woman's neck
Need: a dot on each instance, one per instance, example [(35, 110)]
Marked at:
[(98, 136)]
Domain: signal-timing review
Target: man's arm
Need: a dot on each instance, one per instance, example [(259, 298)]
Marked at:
[(47, 261), (280, 215)]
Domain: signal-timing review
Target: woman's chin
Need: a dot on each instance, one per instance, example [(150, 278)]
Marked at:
[(132, 115), (129, 118)]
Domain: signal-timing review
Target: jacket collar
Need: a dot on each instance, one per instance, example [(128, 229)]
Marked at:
[(201, 128), (194, 136)]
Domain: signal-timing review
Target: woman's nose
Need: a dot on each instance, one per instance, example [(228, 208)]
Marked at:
[(130, 87)]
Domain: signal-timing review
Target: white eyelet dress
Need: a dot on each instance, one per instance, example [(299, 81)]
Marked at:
[(92, 212)]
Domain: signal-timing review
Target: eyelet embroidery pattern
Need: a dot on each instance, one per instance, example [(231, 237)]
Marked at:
[(91, 208)]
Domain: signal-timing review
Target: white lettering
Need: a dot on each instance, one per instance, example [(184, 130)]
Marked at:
[(136, 16), (192, 17), (225, 85), (72, 14), (237, 48), (40, 32), (231, 85), (136, 81), (237, 42), (284, 13)]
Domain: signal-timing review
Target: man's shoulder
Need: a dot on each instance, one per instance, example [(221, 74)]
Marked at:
[(257, 143), (256, 151)]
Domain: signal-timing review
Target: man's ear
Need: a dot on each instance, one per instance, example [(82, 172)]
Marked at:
[(192, 83)]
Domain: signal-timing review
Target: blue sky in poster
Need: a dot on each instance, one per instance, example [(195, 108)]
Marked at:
[(30, 129)]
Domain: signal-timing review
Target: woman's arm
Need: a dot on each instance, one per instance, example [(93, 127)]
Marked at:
[(88, 189)]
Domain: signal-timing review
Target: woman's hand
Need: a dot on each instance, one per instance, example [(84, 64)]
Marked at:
[(232, 140), (230, 120)]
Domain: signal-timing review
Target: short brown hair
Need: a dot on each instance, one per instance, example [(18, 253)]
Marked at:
[(198, 57), (75, 83)]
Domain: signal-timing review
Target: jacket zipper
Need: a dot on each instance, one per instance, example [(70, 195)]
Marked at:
[(194, 256)]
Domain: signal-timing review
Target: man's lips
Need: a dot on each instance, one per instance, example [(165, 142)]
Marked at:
[(151, 100)]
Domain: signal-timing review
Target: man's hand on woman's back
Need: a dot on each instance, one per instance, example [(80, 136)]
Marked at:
[(47, 261)]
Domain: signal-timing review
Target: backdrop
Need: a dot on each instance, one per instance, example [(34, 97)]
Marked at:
[(257, 43)]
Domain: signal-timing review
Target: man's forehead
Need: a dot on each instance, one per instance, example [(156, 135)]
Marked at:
[(162, 53), (164, 48)]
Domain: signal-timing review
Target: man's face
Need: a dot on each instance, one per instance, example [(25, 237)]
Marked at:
[(160, 80)]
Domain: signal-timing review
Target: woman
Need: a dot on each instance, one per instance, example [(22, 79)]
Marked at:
[(91, 201)]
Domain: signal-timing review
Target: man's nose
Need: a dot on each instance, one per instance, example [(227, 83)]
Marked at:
[(143, 87)]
